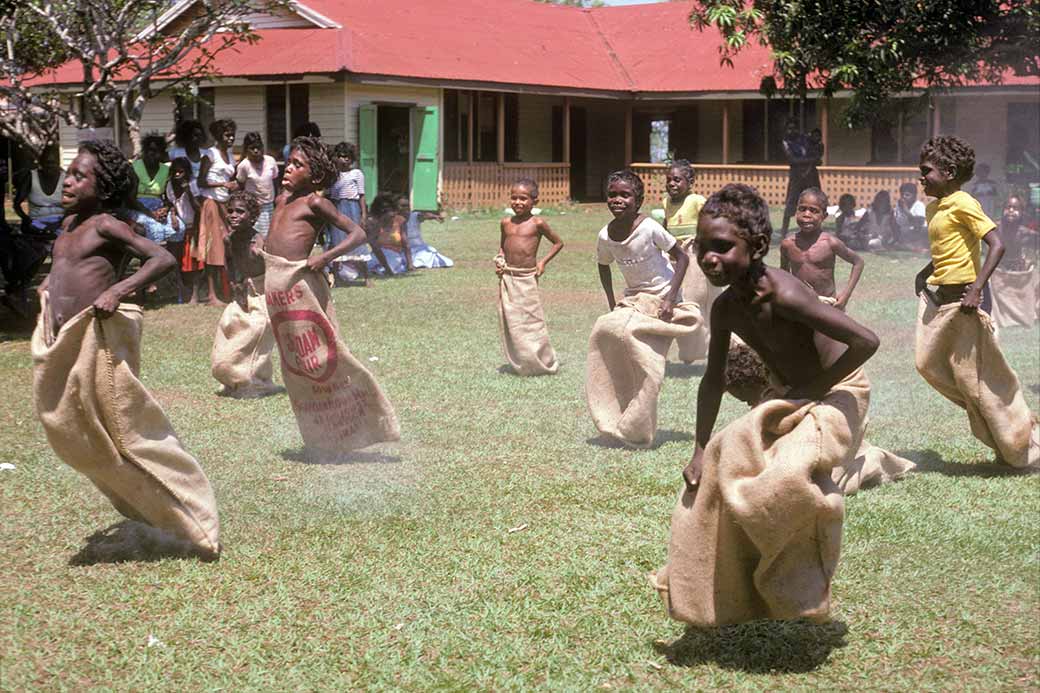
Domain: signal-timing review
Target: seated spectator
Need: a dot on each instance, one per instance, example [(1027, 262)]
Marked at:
[(41, 188), (878, 225), (152, 171), (909, 217), (846, 222), (386, 233), (423, 255)]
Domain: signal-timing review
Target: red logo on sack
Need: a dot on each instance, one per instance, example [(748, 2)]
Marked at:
[(307, 343)]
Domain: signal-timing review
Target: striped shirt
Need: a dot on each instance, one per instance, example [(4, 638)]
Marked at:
[(349, 185)]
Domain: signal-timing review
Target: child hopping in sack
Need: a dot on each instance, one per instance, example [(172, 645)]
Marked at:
[(241, 355), (86, 349), (682, 206), (525, 340), (629, 345), (757, 529), (1015, 284), (338, 404), (956, 350)]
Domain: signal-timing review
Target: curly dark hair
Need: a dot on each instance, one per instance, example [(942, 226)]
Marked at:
[(317, 154), (627, 175), (308, 129), (183, 131), (820, 196), (684, 167), (529, 183), (115, 180), (742, 206), (248, 199), (218, 127), (747, 376), (153, 139), (952, 155), (382, 204), (347, 150), (252, 139)]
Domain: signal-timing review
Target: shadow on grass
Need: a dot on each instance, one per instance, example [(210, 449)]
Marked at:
[(660, 438), (130, 541), (506, 369), (276, 390), (1035, 388), (354, 457), (683, 370), (760, 647), (929, 462)]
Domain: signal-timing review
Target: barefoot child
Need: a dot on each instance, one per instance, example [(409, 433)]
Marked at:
[(956, 350), (681, 209), (216, 179), (809, 254), (1015, 284), (97, 415), (338, 404), (241, 354), (757, 529), (525, 339), (629, 345)]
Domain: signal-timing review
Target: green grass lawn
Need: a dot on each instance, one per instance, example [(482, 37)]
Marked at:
[(399, 570)]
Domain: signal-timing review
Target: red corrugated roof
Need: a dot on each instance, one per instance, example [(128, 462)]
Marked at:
[(636, 48)]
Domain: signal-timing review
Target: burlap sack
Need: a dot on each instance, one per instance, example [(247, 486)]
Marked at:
[(957, 353), (338, 405), (760, 535), (696, 289), (525, 340), (627, 358), (872, 466), (241, 355), (102, 422), (1016, 297)]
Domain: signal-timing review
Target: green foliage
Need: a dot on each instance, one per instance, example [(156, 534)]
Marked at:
[(879, 48)]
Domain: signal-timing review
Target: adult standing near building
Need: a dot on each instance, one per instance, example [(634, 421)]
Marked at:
[(803, 156)]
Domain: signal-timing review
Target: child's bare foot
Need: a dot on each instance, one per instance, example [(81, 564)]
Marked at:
[(216, 302)]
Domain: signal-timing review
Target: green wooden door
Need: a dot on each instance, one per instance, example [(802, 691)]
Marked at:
[(368, 158), (424, 166)]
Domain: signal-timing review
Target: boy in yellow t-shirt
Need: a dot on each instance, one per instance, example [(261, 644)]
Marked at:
[(956, 350), (682, 208)]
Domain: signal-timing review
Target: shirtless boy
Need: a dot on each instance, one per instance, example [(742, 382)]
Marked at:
[(809, 254), (97, 415), (243, 209), (522, 232), (92, 251), (525, 339), (300, 211), (809, 346)]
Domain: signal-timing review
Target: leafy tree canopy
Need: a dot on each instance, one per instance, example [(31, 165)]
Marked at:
[(879, 49)]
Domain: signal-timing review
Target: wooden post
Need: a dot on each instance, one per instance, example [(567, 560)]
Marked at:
[(765, 134), (469, 126), (566, 129), (628, 133), (825, 119), (936, 117), (725, 132), (899, 137), (500, 127)]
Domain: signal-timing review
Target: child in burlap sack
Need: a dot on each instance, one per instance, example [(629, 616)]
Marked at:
[(96, 413), (242, 345), (525, 340), (629, 345), (757, 529), (338, 404), (1015, 285), (682, 207), (810, 253), (956, 350)]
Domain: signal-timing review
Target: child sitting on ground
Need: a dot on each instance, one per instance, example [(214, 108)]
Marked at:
[(257, 174), (152, 171), (424, 256), (681, 209), (909, 218), (241, 354), (878, 225), (386, 232), (809, 254), (956, 350), (525, 340), (629, 345), (846, 223), (758, 495), (97, 415), (338, 404)]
